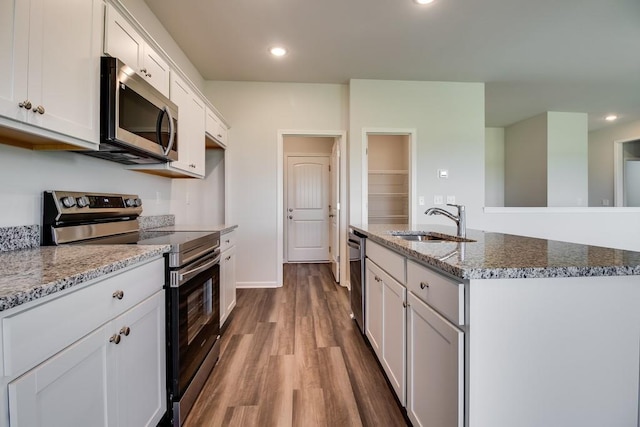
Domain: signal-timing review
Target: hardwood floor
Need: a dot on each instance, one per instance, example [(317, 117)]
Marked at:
[(292, 356)]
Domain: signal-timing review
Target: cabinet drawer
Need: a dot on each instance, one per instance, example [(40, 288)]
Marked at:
[(391, 262), (37, 333), (445, 295), (227, 240)]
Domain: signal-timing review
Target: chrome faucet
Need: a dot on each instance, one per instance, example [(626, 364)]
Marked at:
[(460, 219)]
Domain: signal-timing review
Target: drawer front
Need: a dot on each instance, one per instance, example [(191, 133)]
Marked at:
[(443, 294), (35, 334), (390, 261), (227, 240)]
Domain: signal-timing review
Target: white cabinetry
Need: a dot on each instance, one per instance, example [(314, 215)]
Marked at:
[(191, 113), (122, 41), (98, 364), (216, 131), (385, 313), (435, 367), (49, 73), (227, 275)]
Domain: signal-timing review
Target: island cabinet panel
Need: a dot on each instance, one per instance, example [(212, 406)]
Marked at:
[(385, 324), (554, 352), (442, 293), (435, 367), (390, 261)]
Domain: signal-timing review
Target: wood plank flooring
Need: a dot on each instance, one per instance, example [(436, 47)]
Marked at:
[(292, 356)]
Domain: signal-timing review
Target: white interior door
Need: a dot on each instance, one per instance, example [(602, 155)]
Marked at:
[(334, 214), (307, 212)]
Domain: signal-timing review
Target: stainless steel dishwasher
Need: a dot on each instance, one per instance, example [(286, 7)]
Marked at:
[(356, 244)]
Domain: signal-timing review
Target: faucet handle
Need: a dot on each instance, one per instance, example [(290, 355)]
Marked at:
[(460, 207)]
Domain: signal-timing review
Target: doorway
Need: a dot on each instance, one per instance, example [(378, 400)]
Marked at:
[(388, 176), (627, 173), (311, 176)]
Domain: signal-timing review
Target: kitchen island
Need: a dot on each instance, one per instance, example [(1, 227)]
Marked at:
[(505, 330)]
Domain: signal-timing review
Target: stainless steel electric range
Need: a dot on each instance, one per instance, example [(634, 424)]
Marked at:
[(192, 280)]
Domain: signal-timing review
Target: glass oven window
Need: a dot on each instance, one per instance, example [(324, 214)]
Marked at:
[(199, 310)]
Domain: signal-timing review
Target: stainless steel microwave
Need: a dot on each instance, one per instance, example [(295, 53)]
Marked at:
[(138, 124)]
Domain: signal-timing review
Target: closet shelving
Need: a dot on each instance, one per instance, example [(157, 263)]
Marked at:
[(388, 196)]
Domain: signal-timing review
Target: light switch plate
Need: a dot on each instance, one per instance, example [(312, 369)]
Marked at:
[(443, 173), (438, 200), (451, 199)]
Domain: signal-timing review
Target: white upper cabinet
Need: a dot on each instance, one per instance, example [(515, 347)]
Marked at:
[(191, 127), (122, 41), (216, 131), (50, 70)]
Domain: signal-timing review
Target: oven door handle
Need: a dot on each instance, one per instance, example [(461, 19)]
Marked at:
[(190, 273)]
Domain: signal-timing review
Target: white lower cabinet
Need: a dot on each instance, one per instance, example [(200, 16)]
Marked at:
[(385, 308), (435, 368), (115, 376), (70, 389), (227, 283)]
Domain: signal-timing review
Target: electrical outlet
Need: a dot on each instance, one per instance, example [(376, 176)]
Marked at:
[(605, 202), (438, 200), (451, 199), (421, 201)]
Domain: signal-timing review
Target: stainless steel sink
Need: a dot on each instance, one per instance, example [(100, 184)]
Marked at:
[(419, 237)]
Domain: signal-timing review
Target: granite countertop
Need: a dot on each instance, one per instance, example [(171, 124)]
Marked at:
[(502, 256), (29, 274)]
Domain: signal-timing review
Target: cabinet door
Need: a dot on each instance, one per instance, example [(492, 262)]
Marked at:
[(14, 57), (64, 66), (435, 375), (70, 389), (227, 283), (140, 363), (190, 128), (156, 70), (373, 308), (393, 334), (121, 40)]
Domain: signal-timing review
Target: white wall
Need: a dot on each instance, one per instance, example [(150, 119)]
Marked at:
[(494, 167), (567, 159), (307, 144), (26, 174), (525, 155), (449, 120), (601, 144), (257, 111)]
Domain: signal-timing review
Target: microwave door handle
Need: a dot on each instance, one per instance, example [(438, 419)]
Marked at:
[(172, 131)]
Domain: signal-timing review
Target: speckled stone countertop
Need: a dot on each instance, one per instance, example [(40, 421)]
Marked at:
[(29, 274), (502, 256)]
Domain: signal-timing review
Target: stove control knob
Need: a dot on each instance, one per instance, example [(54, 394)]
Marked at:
[(68, 201), (137, 202), (82, 202), (129, 203)]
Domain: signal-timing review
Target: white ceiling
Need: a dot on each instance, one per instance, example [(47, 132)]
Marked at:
[(534, 55)]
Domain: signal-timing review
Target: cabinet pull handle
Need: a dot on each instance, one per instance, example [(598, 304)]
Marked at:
[(118, 294), (143, 71), (115, 338), (125, 331), (405, 304), (424, 285), (39, 109), (25, 104), (227, 241), (378, 279), (228, 258)]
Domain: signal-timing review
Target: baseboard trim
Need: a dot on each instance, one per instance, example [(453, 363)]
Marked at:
[(250, 285)]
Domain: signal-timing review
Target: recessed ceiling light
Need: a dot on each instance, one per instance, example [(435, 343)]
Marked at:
[(423, 1), (278, 51), (611, 117)]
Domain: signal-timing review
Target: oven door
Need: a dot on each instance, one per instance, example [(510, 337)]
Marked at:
[(194, 322)]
